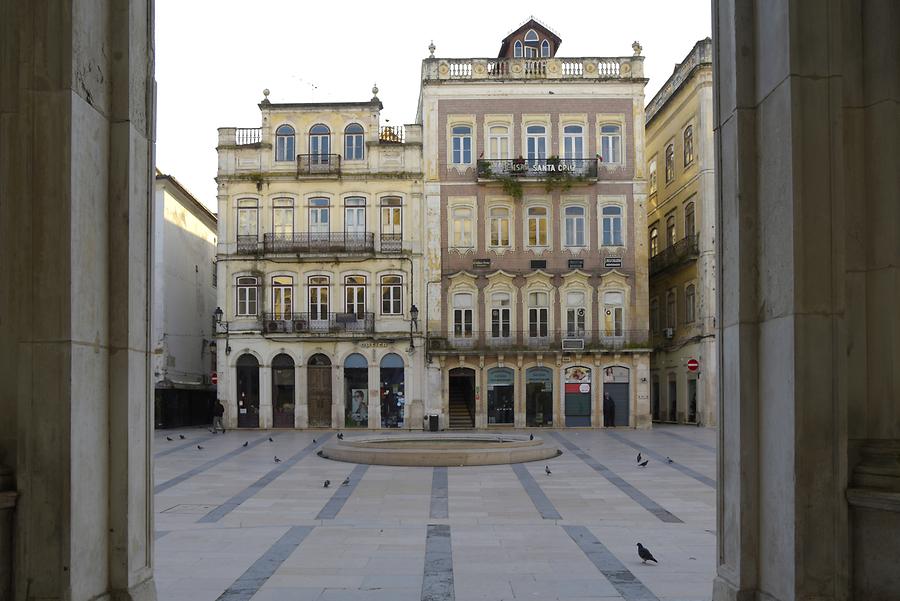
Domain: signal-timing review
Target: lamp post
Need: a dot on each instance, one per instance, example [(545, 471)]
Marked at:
[(413, 326), (222, 326)]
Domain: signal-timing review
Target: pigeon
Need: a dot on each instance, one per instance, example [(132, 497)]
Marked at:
[(246, 442), (169, 438), (314, 441), (639, 458), (277, 460), (547, 470), (644, 463), (326, 484), (669, 460), (346, 481), (340, 436), (644, 554), (270, 439), (199, 447), (181, 436), (531, 437)]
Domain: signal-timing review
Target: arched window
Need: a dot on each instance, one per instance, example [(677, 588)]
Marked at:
[(688, 145), (671, 306), (461, 145), (538, 314), (461, 225), (576, 311), (284, 143), (282, 297), (531, 44), (391, 295), (614, 313), (498, 142), (574, 226), (545, 49), (573, 142), (355, 295), (462, 314), (690, 295), (612, 225), (689, 228), (537, 226), (670, 231), (500, 315), (517, 49), (499, 224), (654, 315), (670, 163), (531, 36), (319, 140), (536, 142), (611, 143), (353, 142), (247, 291), (654, 242), (652, 170)]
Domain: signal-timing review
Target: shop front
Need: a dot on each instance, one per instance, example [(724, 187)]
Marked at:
[(577, 397), (501, 396)]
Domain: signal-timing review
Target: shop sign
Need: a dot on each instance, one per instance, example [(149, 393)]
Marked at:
[(612, 262)]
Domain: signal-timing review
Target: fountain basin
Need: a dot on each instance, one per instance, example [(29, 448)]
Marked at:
[(439, 449)]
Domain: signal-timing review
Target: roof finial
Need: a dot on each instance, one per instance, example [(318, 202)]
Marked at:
[(636, 46), (265, 100), (375, 91), (431, 49)]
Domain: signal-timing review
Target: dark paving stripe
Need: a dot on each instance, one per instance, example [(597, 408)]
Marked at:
[(190, 443), (616, 480), (439, 492), (544, 506), (262, 569), (612, 569), (694, 443), (202, 468), (234, 502), (662, 459), (340, 496), (437, 581)]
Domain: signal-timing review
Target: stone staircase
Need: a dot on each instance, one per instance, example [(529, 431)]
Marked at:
[(460, 416)]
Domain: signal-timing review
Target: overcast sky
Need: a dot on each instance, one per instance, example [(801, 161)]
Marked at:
[(214, 57)]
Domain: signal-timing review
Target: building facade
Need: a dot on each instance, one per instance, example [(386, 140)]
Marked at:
[(184, 297), (681, 222), (320, 269), (535, 192)]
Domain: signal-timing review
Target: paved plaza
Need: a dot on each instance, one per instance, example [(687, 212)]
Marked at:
[(232, 524)]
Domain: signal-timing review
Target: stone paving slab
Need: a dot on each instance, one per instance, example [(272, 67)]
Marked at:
[(507, 525)]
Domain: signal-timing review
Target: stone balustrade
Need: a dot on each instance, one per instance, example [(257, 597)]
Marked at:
[(622, 67)]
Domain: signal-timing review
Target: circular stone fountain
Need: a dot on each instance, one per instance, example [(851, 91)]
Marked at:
[(439, 449)]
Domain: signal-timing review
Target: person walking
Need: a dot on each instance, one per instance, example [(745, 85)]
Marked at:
[(218, 412), (609, 411)]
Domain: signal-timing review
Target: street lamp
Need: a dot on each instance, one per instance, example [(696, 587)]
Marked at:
[(413, 326), (222, 326)]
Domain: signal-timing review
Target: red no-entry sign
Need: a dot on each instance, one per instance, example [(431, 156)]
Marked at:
[(214, 378), (693, 365)]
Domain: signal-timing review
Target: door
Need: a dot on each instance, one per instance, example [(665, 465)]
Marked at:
[(577, 396), (248, 391), (616, 383), (539, 397), (462, 397), (673, 399), (318, 391), (354, 226), (283, 391)]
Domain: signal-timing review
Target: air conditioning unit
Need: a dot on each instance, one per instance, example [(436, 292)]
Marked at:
[(274, 325), (573, 344), (669, 333), (299, 325)]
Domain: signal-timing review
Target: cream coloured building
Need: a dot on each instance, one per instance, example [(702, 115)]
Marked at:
[(681, 234), (535, 192), (320, 269)]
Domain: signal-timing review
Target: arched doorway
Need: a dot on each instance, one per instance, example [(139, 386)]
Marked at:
[(318, 391), (356, 391), (393, 394), (539, 396), (616, 382), (283, 397), (654, 398), (501, 395), (462, 397), (577, 396), (248, 391)]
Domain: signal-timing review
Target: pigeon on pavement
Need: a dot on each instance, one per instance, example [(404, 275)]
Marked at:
[(246, 442), (644, 554), (531, 437), (169, 438), (314, 441), (669, 460), (181, 436), (199, 447), (644, 463), (270, 439), (340, 436), (547, 470), (277, 460), (326, 484), (346, 481), (639, 458)]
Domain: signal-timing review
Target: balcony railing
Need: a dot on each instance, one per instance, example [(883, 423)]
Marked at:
[(318, 323), (682, 251), (532, 68), (247, 245), (391, 243), (320, 243), (245, 136), (529, 340), (391, 134), (537, 168), (318, 164)]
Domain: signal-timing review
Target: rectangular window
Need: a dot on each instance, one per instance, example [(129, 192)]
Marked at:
[(355, 296), (247, 221), (611, 143), (462, 323), (282, 297), (575, 314), (391, 291), (537, 322), (500, 322), (537, 226), (461, 143), (283, 221), (319, 216), (462, 227), (612, 226), (247, 292), (500, 226), (498, 142), (574, 226)]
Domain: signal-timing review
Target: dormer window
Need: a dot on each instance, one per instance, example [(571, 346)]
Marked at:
[(531, 36), (517, 49), (531, 44), (545, 49)]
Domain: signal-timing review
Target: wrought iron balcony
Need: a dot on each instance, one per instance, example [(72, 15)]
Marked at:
[(320, 243), (685, 250), (247, 245), (318, 165), (537, 340), (576, 169), (391, 243), (319, 323)]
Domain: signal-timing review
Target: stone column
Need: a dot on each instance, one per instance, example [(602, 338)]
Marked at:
[(266, 417), (374, 392), (301, 407), (559, 418), (519, 398), (480, 395), (76, 163), (337, 396)]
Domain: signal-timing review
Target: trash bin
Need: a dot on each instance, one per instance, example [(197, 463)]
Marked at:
[(433, 423)]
